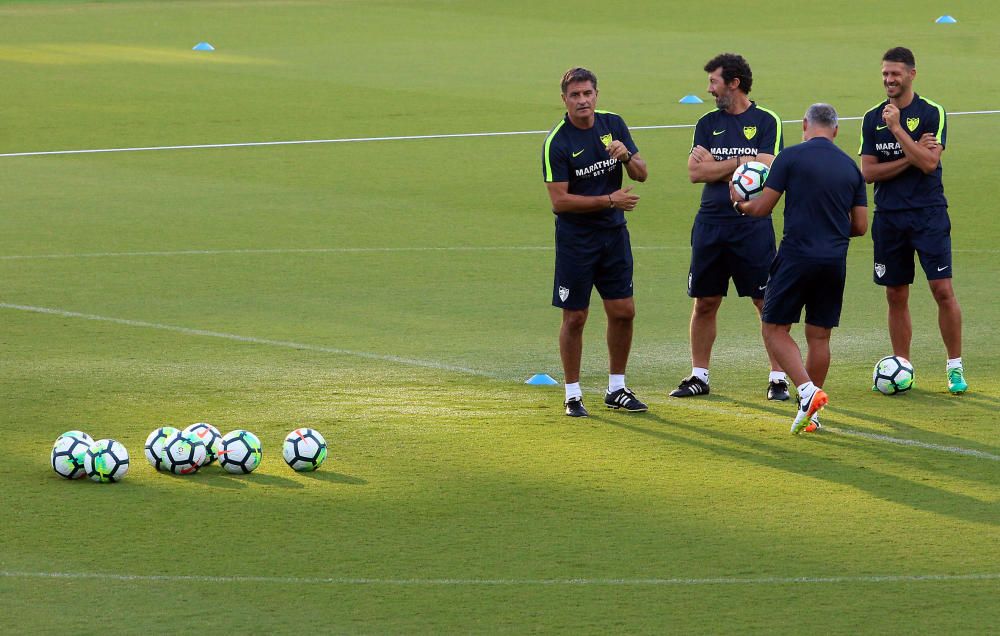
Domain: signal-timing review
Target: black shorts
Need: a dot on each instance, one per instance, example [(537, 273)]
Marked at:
[(816, 285), (898, 234), (589, 257), (741, 251)]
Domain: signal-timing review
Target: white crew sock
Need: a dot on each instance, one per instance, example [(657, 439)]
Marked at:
[(775, 376), (806, 391), (954, 363), (573, 391), (615, 382), (700, 373)]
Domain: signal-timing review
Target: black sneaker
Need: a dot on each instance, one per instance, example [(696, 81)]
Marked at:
[(777, 390), (624, 399), (575, 408), (690, 387)]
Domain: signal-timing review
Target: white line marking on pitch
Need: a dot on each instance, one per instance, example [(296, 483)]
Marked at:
[(430, 364), (281, 580), (249, 144), (957, 450), (316, 250)]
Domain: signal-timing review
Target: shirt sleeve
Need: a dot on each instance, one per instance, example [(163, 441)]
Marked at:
[(555, 161), (701, 134), (860, 192), (770, 134), (777, 176), (937, 123), (868, 133)]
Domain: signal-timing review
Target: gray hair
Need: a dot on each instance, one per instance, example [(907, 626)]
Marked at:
[(823, 115)]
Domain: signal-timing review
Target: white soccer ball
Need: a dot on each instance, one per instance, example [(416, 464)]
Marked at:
[(240, 452), (68, 452), (183, 453), (892, 375), (749, 178), (304, 449), (106, 461), (154, 446), (210, 437)]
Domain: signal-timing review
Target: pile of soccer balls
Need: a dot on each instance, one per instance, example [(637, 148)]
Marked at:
[(182, 452)]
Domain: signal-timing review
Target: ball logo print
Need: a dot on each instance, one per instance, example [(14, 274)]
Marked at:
[(892, 375), (304, 449), (748, 180), (68, 454), (106, 461), (240, 452)]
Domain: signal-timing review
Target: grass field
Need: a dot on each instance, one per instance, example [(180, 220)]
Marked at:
[(395, 294)]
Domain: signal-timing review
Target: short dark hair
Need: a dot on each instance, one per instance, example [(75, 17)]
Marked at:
[(577, 74), (900, 54), (733, 67)]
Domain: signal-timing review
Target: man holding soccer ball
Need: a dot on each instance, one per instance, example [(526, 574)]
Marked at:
[(826, 204), (582, 165), (902, 139), (724, 244)]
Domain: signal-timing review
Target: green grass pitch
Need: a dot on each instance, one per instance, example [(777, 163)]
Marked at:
[(395, 294)]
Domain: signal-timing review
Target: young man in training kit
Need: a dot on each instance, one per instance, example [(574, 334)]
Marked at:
[(725, 244), (582, 162), (826, 204), (901, 144)]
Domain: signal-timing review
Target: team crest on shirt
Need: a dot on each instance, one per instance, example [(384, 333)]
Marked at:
[(563, 293), (749, 131), (606, 139), (879, 270), (912, 123)]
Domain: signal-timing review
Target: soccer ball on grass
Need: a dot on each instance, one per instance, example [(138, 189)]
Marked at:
[(154, 446), (106, 461), (304, 449), (239, 452), (183, 453), (892, 375), (210, 436), (68, 452)]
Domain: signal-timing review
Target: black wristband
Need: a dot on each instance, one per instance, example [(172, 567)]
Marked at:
[(627, 159), (736, 206)]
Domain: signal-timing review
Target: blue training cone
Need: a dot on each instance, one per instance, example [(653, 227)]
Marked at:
[(541, 379), (691, 99), (946, 19), (203, 46)]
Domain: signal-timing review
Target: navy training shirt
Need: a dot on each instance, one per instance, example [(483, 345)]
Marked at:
[(911, 189), (755, 130), (821, 184), (579, 157)]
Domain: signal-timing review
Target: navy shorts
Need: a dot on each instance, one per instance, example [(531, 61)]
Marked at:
[(742, 251), (898, 234), (588, 257), (816, 285)]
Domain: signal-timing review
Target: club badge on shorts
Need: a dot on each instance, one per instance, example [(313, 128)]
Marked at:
[(563, 293), (879, 270)]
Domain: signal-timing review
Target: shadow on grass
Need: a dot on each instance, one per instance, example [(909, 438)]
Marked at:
[(879, 484), (339, 478)]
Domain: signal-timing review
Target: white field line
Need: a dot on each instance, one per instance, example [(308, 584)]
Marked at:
[(248, 144), (319, 250), (875, 437), (422, 582), (429, 364)]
